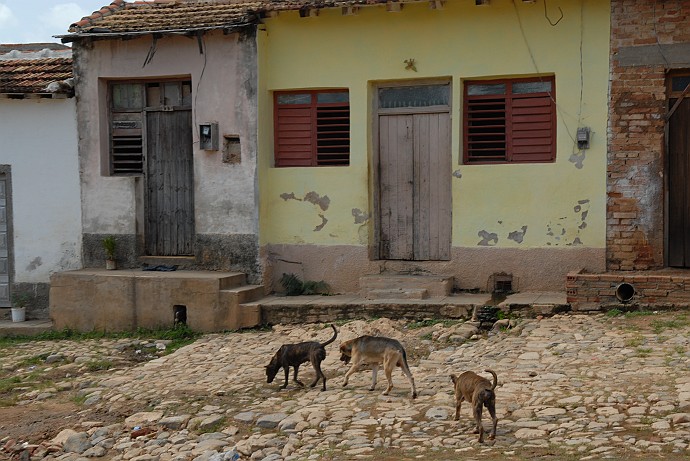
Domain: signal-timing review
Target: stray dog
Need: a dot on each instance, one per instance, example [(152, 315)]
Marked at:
[(480, 393), (294, 355), (375, 350)]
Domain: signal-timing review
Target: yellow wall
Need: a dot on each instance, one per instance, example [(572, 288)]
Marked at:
[(460, 41)]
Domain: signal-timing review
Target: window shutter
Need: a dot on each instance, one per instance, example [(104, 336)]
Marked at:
[(333, 135), (532, 129), (293, 134), (127, 152), (485, 134)]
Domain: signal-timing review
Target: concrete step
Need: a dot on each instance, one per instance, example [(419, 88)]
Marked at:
[(398, 293), (242, 294), (371, 286)]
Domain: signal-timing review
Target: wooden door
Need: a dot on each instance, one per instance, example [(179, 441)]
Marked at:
[(414, 184), (4, 243), (169, 226), (679, 185)]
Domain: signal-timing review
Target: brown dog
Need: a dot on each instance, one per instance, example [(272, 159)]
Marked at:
[(294, 355), (480, 393), (375, 350)]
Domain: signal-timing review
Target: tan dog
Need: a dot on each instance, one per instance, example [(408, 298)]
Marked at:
[(375, 350), (480, 393)]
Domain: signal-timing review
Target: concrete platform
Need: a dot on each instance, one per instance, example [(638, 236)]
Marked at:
[(311, 309)]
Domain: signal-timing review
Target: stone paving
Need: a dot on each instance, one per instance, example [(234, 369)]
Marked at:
[(570, 386)]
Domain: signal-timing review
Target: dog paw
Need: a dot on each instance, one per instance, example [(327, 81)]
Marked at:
[(414, 395)]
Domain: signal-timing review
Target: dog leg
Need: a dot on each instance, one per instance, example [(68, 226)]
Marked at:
[(388, 369), (295, 377), (406, 371), (353, 368), (286, 369), (494, 421), (374, 371), (319, 375), (458, 404), (477, 409)]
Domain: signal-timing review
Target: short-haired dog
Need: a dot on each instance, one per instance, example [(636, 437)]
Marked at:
[(375, 350), (293, 355), (479, 392)]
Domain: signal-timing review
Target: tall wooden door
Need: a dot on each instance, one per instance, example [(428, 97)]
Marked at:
[(4, 243), (414, 165), (169, 227), (679, 185)]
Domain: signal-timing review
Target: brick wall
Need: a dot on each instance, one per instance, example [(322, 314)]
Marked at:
[(641, 32)]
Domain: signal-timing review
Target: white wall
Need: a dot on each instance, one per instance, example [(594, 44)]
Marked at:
[(38, 139)]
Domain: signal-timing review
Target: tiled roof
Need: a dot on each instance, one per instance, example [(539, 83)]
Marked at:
[(31, 47), (122, 17), (32, 76), (145, 16)]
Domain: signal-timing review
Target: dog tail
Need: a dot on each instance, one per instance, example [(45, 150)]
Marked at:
[(335, 335), (495, 378)]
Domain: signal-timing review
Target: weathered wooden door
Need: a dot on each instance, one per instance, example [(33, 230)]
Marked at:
[(679, 185), (169, 226), (4, 243), (414, 166)]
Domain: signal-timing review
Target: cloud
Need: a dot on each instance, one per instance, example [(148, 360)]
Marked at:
[(7, 18), (60, 16)]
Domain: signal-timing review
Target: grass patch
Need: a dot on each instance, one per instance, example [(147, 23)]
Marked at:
[(99, 365), (643, 351), (614, 313), (179, 336), (660, 325), (431, 322), (635, 341), (8, 384)]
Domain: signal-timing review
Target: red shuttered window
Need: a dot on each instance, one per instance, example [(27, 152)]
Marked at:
[(312, 128), (510, 121)]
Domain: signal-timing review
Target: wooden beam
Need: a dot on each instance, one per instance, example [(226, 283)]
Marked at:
[(436, 4)]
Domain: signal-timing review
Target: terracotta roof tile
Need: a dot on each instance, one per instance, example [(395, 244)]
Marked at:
[(25, 76), (142, 16), (166, 15)]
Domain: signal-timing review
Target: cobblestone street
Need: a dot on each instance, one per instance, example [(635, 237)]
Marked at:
[(570, 387)]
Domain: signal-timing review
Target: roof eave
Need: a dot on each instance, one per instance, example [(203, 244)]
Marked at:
[(135, 34)]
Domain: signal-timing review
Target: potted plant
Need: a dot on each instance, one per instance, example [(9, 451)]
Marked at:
[(109, 247), (19, 303)]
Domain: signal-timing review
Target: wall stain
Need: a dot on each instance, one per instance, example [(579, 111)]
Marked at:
[(323, 223), (566, 231), (316, 199), (35, 264), (518, 236), (487, 238), (291, 196), (360, 216), (457, 174), (577, 158)]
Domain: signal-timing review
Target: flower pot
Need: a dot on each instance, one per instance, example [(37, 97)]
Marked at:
[(18, 314), (110, 264)]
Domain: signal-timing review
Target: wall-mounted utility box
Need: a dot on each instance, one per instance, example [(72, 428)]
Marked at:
[(208, 136)]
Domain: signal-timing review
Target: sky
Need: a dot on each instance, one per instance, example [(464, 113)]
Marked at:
[(36, 21)]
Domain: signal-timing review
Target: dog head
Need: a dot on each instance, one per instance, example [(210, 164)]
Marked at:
[(454, 379), (273, 367), (346, 352)]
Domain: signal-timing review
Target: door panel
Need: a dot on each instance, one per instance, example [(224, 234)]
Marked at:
[(414, 186), (169, 184), (679, 187), (4, 245)]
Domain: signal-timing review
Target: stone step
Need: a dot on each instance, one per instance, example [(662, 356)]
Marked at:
[(398, 293), (242, 294), (434, 285)]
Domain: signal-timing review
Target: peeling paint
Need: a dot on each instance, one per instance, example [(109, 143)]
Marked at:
[(457, 174), (567, 230), (291, 196), (487, 238), (35, 264), (577, 158), (518, 236), (316, 199), (360, 216), (323, 223)]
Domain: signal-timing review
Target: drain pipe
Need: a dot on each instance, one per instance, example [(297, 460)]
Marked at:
[(625, 292)]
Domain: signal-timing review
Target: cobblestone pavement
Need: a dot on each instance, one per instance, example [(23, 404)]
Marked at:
[(570, 387)]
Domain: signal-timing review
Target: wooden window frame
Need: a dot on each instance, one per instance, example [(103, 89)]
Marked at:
[(130, 137), (543, 133), (313, 154)]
